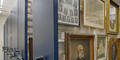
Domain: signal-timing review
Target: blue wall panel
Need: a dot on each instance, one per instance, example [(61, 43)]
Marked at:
[(43, 29)]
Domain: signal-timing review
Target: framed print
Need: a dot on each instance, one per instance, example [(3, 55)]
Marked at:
[(94, 13), (79, 47), (114, 49), (112, 17), (68, 12), (101, 47)]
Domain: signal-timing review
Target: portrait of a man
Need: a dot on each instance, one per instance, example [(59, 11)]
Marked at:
[(80, 49), (80, 52)]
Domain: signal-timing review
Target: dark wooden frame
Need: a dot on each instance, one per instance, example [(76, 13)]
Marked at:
[(68, 37)]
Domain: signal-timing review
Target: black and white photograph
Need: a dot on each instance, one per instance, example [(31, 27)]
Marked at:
[(69, 11)]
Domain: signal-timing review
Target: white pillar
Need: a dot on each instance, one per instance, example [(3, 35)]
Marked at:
[(1, 42), (3, 18)]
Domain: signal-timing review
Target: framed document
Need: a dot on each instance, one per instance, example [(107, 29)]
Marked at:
[(68, 12), (101, 47), (94, 13), (112, 17), (79, 47)]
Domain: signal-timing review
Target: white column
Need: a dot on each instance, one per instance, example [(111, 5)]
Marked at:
[(3, 18), (1, 42)]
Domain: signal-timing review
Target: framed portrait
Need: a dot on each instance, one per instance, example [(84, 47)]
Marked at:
[(114, 49), (94, 13), (79, 47), (101, 47), (68, 12), (112, 17)]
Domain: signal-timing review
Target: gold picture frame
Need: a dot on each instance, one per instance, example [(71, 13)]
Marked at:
[(99, 23), (101, 47), (76, 43), (112, 24), (114, 49)]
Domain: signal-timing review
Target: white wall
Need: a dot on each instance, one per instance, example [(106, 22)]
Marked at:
[(1, 42)]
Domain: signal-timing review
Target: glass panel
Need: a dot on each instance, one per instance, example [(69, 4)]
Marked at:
[(113, 20)]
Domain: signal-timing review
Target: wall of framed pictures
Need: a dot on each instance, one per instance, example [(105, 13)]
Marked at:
[(93, 20)]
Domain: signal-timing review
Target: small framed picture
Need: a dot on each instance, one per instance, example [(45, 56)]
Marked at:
[(113, 18), (114, 48), (101, 47), (69, 11), (79, 47)]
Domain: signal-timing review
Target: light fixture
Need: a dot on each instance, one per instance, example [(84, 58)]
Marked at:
[(1, 3), (0, 12)]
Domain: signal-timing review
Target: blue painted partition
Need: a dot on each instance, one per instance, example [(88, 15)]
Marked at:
[(45, 29)]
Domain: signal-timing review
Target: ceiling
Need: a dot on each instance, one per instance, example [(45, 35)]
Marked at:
[(117, 1)]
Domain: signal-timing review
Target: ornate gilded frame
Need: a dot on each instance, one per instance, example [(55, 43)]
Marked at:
[(83, 7), (117, 40), (110, 2), (68, 37)]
